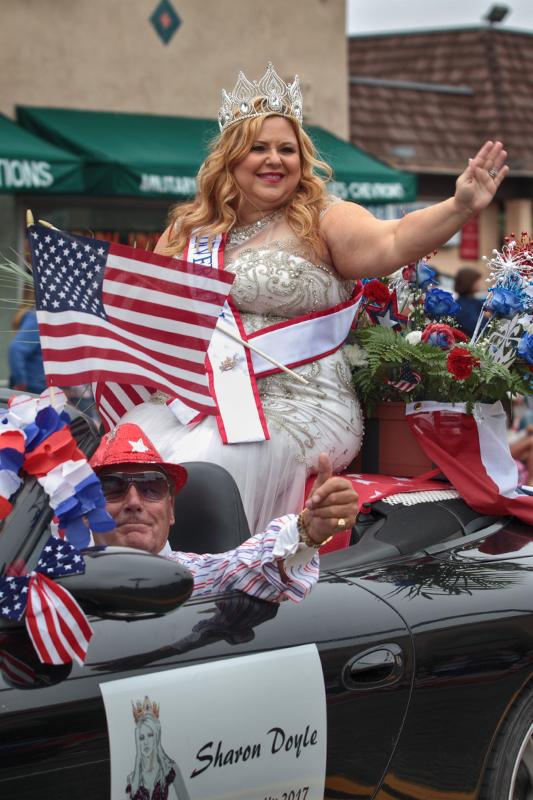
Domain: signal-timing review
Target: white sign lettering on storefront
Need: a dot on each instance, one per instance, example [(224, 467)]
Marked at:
[(168, 184), (368, 190), (24, 174)]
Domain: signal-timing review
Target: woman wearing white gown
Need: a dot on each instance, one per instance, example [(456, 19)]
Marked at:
[(293, 250)]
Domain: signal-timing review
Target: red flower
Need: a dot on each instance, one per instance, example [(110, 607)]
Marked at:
[(461, 362), (443, 336), (376, 291)]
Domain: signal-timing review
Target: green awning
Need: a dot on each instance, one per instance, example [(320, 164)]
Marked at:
[(154, 156), (360, 177), (30, 164)]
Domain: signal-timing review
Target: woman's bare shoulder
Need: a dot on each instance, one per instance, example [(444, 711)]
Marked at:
[(162, 242), (339, 211), (351, 233), (345, 221)]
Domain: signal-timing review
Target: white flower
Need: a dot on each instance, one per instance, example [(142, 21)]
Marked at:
[(356, 355), (526, 322), (414, 337)]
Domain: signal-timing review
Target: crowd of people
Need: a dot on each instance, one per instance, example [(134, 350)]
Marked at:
[(296, 253), (263, 212), (278, 563)]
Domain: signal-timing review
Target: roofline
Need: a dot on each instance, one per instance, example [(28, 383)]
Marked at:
[(452, 173), (452, 29), (419, 86)]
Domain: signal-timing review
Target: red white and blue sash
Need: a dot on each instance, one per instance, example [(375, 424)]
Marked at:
[(233, 368), (232, 382), (302, 339)]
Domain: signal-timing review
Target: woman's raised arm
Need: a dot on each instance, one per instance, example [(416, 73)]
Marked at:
[(362, 246)]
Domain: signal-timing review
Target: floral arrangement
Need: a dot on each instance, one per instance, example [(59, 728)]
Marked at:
[(406, 344)]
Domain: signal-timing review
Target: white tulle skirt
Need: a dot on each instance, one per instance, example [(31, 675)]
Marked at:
[(303, 421)]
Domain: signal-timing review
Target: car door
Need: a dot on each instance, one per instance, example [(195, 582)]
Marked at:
[(53, 734)]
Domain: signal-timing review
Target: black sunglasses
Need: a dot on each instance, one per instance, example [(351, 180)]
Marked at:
[(152, 486)]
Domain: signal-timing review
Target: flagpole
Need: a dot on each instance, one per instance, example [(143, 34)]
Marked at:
[(222, 328), (31, 221)]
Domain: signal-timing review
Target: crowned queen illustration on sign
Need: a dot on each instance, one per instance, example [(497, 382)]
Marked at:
[(154, 772)]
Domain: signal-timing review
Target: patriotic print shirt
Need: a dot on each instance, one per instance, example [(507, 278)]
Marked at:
[(254, 566)]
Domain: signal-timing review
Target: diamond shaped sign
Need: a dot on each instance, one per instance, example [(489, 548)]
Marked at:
[(165, 20)]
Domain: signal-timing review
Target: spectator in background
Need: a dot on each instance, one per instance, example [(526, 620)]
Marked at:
[(26, 372), (521, 446), (470, 290)]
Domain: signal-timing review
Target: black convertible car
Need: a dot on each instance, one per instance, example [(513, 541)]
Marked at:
[(423, 627)]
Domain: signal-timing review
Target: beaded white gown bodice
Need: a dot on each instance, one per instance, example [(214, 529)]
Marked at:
[(277, 279)]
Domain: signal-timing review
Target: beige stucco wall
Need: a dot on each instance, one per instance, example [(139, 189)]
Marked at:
[(518, 217), (105, 54)]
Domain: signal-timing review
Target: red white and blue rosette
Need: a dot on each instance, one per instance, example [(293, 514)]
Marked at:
[(35, 439)]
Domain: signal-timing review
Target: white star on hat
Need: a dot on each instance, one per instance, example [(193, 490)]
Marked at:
[(138, 446)]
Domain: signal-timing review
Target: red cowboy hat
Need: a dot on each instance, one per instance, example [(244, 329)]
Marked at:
[(127, 444)]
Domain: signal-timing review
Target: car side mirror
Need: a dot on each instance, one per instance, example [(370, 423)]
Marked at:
[(121, 581)]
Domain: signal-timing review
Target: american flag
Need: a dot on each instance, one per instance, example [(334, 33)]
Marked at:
[(407, 379), (131, 320), (55, 622)]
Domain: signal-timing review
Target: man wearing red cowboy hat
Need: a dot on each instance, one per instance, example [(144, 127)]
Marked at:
[(280, 563)]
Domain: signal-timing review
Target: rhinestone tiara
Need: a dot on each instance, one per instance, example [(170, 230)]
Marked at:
[(269, 95)]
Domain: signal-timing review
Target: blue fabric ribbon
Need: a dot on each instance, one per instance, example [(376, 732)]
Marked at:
[(11, 459), (47, 422), (88, 501)]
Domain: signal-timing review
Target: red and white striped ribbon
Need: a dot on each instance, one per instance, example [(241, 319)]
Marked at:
[(57, 626)]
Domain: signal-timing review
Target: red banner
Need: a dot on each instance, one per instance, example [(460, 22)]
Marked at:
[(469, 247)]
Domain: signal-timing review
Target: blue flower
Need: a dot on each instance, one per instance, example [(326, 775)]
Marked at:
[(419, 275), (525, 347), (504, 303), (439, 303), (424, 275)]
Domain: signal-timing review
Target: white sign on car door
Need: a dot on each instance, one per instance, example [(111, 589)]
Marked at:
[(251, 727)]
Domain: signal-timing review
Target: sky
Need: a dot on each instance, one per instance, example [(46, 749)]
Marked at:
[(378, 16)]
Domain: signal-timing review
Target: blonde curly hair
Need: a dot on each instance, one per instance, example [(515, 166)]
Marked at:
[(216, 205)]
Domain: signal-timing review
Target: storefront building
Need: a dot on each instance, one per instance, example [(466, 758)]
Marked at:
[(147, 57), (113, 106), (425, 102)]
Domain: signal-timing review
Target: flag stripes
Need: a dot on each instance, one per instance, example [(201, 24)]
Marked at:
[(56, 624), (114, 399), (113, 314)]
